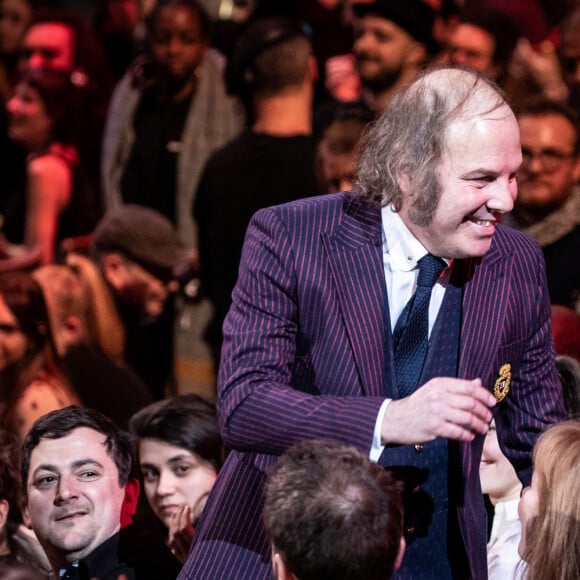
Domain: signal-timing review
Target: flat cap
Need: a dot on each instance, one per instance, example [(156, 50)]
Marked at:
[(144, 236)]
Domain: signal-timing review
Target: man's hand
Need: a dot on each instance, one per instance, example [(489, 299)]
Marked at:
[(443, 407)]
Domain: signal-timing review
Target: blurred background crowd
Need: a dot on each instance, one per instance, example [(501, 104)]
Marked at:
[(138, 137)]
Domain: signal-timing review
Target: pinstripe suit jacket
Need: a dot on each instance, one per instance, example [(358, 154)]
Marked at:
[(307, 355)]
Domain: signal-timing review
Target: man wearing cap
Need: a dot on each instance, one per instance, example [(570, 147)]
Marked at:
[(393, 39), (140, 256)]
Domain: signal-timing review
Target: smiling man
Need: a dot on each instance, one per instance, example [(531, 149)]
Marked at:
[(393, 40), (75, 473), (319, 343), (80, 499)]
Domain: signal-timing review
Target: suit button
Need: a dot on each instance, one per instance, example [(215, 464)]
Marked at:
[(418, 447)]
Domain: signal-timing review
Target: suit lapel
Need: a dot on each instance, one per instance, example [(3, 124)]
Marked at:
[(355, 256), (484, 310)]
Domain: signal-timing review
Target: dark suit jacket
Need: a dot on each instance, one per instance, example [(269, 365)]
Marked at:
[(307, 355)]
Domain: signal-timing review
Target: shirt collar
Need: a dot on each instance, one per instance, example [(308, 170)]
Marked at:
[(402, 247)]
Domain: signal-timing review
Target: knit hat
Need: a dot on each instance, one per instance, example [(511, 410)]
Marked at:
[(414, 16)]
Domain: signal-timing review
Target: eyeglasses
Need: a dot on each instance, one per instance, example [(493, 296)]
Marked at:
[(550, 159)]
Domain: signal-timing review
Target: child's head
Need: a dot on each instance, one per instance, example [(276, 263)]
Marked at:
[(550, 508)]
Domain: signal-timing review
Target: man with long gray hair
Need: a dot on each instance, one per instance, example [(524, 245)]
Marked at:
[(398, 318)]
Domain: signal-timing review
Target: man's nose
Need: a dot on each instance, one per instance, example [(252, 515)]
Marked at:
[(361, 43), (66, 489), (175, 45), (503, 195), (458, 56), (534, 165)]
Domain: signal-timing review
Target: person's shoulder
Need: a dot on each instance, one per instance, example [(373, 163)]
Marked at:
[(331, 202), (48, 164), (510, 240), (323, 212), (223, 157)]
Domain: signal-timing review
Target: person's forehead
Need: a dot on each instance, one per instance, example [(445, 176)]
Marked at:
[(478, 114), (151, 449), (178, 16), (558, 126), (376, 23), (51, 35), (80, 444), (474, 37)]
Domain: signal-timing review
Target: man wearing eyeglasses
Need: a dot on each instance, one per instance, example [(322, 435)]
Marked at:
[(548, 204)]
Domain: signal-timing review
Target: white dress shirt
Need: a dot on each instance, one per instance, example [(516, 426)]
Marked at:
[(502, 548), (401, 252)]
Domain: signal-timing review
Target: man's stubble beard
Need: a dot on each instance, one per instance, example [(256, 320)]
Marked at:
[(382, 81)]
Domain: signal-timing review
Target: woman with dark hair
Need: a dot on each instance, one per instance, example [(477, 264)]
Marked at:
[(180, 453), (31, 383), (43, 119)]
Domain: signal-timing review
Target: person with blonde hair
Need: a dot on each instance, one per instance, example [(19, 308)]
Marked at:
[(550, 508)]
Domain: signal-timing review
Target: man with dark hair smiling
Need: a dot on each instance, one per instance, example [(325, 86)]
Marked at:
[(393, 40), (79, 494)]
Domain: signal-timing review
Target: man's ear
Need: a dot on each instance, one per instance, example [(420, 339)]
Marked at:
[(404, 182), (129, 506), (402, 546), (281, 571), (4, 509), (26, 516), (417, 54), (114, 270)]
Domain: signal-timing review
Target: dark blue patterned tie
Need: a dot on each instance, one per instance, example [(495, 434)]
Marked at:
[(411, 335)]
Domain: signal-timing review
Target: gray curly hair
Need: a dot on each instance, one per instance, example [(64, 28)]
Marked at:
[(409, 138)]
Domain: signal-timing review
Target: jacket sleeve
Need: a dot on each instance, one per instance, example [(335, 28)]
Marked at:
[(260, 406)]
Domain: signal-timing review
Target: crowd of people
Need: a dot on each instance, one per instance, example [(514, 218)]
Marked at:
[(315, 189)]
